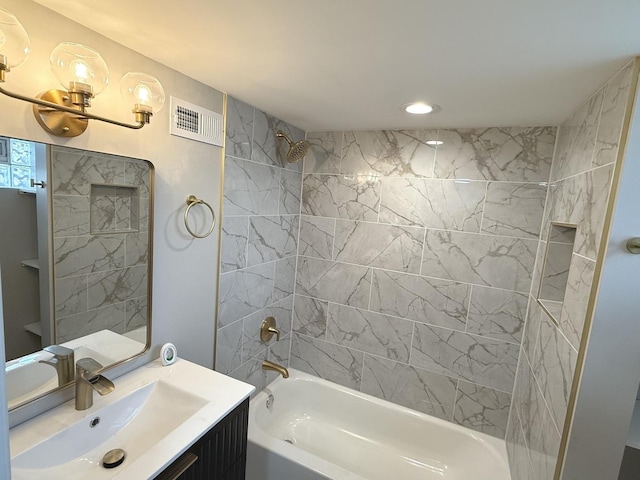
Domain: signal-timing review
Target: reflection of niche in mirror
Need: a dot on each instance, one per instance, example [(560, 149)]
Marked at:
[(555, 273), (101, 244)]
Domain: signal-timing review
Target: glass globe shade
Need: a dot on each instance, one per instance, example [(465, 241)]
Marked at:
[(14, 41), (143, 91), (76, 65)]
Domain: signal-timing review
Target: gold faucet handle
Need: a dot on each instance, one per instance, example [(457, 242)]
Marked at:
[(268, 329)]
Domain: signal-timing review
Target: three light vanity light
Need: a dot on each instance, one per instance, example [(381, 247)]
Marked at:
[(84, 74)]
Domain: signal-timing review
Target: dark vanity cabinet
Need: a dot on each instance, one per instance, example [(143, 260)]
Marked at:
[(221, 453)]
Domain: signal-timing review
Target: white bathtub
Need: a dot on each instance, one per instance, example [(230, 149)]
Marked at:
[(316, 429)]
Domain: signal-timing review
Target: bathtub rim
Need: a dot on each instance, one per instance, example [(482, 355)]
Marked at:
[(261, 438)]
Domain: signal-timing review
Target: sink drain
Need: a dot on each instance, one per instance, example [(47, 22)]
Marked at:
[(290, 440), (113, 458)]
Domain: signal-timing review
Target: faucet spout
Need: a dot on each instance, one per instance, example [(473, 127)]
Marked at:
[(267, 365), (87, 380), (62, 361)]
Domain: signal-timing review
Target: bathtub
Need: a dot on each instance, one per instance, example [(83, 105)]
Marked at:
[(306, 428)]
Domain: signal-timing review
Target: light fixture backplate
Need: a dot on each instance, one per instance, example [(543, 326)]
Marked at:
[(61, 124)]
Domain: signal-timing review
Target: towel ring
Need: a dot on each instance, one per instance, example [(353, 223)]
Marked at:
[(191, 201)]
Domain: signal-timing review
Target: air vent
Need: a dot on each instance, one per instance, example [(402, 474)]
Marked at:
[(194, 122)]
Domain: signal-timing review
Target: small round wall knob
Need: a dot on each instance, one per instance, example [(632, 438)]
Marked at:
[(633, 245)]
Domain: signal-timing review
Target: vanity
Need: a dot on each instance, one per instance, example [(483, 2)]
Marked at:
[(181, 421), (82, 403)]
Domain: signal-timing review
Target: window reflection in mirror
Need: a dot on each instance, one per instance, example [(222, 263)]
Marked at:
[(555, 273), (75, 256)]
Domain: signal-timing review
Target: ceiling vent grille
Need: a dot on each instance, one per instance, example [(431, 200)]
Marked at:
[(194, 122)]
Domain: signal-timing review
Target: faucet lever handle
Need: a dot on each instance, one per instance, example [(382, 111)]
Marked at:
[(268, 329), (59, 351)]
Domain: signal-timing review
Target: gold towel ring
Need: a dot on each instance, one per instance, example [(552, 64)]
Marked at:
[(191, 201)]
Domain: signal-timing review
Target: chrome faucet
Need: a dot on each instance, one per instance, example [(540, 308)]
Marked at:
[(62, 361), (87, 380), (267, 365)]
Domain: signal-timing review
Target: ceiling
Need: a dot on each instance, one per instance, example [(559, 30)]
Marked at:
[(336, 64)]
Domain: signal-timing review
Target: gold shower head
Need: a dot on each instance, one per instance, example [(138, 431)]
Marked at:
[(297, 150)]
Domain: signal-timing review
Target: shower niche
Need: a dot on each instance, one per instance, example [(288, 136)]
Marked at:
[(555, 271)]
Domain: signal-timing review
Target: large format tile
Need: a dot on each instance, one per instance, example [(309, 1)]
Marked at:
[(409, 386), (335, 282), (389, 153), (233, 250), (494, 261), (370, 332), (507, 154), (427, 300), (514, 209), (577, 139), (326, 360), (271, 238), (614, 107), (239, 128), (316, 237), (74, 172), (485, 361), (531, 328), (284, 278), (554, 365), (70, 215), (243, 292), (229, 347), (70, 295), (88, 254), (250, 188), (106, 288), (290, 191), (497, 313), (483, 409), (325, 152), (341, 196), (378, 245), (310, 316), (576, 299), (447, 204)]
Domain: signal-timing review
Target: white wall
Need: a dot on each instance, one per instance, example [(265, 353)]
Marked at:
[(185, 270), (4, 421)]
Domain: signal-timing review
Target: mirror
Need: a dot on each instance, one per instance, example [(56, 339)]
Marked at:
[(75, 257), (555, 272)]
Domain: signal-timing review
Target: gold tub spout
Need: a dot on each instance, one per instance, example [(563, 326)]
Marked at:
[(267, 365)]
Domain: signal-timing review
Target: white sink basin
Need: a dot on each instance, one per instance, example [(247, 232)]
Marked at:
[(154, 415)]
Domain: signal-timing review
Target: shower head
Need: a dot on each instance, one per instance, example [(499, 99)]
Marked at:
[(297, 150)]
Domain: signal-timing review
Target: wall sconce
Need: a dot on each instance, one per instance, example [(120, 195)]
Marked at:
[(84, 74)]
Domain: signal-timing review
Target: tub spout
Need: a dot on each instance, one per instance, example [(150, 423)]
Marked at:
[(267, 365)]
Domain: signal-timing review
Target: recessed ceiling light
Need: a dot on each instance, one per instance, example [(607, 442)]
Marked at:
[(434, 142), (420, 108)]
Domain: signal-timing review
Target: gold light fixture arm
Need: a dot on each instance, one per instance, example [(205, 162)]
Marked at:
[(59, 116)]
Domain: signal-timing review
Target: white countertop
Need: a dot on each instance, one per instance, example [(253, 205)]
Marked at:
[(222, 393)]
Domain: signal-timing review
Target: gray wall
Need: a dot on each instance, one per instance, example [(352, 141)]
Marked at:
[(415, 263), (581, 178), (20, 290), (260, 223)]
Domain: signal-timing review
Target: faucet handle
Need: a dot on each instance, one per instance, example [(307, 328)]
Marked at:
[(59, 351), (268, 329)]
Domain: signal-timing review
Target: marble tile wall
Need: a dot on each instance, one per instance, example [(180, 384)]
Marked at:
[(415, 264), (260, 230), (581, 176), (101, 242)]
